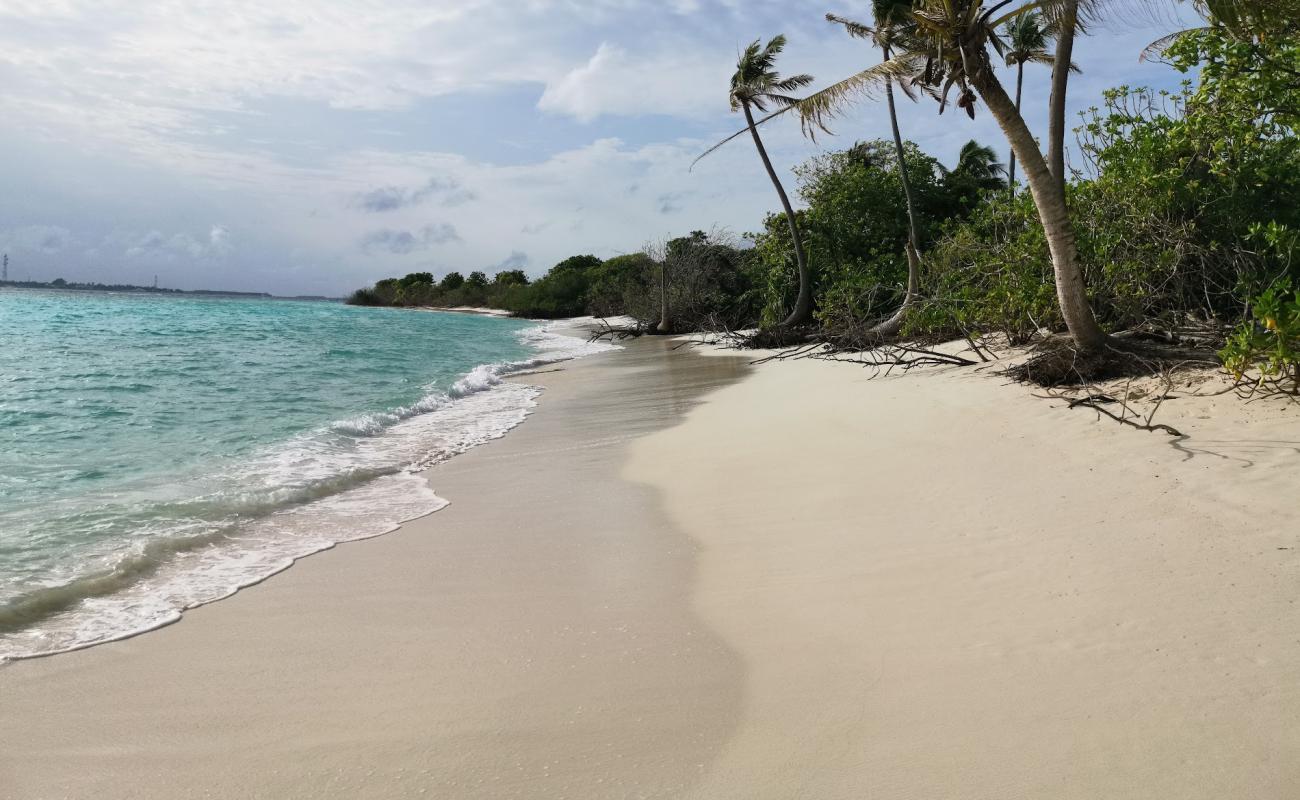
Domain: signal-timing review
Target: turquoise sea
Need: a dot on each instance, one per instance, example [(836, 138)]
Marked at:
[(158, 453)]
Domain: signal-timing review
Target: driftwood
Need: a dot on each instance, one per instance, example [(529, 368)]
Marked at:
[(884, 359), (1098, 402), (618, 332)]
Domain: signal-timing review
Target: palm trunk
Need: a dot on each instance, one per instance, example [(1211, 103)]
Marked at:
[(1011, 162), (1060, 83), (892, 325), (665, 322), (803, 303), (1049, 197)]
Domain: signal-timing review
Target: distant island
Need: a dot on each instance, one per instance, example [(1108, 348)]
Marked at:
[(61, 284)]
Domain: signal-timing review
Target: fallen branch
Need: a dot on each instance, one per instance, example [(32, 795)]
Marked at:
[(1097, 403), (619, 332)]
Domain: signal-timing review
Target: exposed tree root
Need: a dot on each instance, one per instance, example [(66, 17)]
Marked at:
[(775, 337), (1058, 362)]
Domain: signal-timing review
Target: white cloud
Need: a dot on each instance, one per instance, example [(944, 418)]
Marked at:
[(154, 245), (614, 82)]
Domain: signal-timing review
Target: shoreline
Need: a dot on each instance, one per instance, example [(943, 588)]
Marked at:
[(274, 675), (482, 312), (711, 580), (552, 343)]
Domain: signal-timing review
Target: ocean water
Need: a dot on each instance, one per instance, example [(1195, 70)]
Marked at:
[(158, 453)]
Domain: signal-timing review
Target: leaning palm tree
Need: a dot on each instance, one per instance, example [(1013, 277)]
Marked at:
[(1027, 39), (957, 35), (950, 49), (892, 23), (757, 85)]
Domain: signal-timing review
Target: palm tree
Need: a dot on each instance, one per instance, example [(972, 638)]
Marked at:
[(893, 21), (1027, 40), (949, 48), (757, 85), (1064, 17), (979, 164), (957, 36)]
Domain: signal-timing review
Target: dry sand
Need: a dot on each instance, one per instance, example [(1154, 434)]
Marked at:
[(811, 585)]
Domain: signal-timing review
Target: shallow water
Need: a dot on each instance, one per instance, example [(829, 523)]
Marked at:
[(157, 453)]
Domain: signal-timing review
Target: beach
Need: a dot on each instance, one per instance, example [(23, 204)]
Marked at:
[(686, 576)]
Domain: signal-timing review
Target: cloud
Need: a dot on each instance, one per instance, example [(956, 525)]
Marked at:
[(265, 116), (385, 198), (155, 245), (44, 239), (671, 202), (219, 238), (448, 191), (516, 260), (404, 242), (682, 82), (150, 243)]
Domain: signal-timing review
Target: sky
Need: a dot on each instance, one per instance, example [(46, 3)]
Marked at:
[(315, 146)]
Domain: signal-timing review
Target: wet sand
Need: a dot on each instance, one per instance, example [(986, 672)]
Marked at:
[(534, 639), (688, 577)]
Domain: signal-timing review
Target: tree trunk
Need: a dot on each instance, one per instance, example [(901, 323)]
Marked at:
[(665, 322), (1011, 162), (803, 304), (1060, 83), (892, 325), (1049, 197)]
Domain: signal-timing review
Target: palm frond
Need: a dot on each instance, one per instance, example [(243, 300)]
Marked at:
[(855, 29), (719, 145), (792, 83), (819, 108), (1159, 46)]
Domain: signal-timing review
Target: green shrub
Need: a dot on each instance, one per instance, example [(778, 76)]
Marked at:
[(1265, 350)]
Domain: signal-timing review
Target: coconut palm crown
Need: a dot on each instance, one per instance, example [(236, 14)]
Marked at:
[(979, 163), (757, 82), (1027, 38)]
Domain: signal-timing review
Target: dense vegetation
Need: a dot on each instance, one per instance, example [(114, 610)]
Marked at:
[(1184, 212)]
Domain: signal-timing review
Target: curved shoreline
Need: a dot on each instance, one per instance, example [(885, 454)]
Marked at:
[(149, 576), (490, 645)]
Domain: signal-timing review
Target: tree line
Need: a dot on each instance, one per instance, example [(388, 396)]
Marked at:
[(1181, 223)]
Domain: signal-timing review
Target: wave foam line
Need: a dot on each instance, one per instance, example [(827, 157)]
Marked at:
[(155, 583)]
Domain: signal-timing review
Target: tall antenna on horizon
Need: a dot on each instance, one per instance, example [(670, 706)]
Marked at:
[(155, 281), (4, 273)]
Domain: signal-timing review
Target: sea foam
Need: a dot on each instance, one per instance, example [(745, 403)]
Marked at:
[(353, 479)]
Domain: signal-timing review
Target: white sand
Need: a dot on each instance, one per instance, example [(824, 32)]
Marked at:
[(944, 587), (816, 585)]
